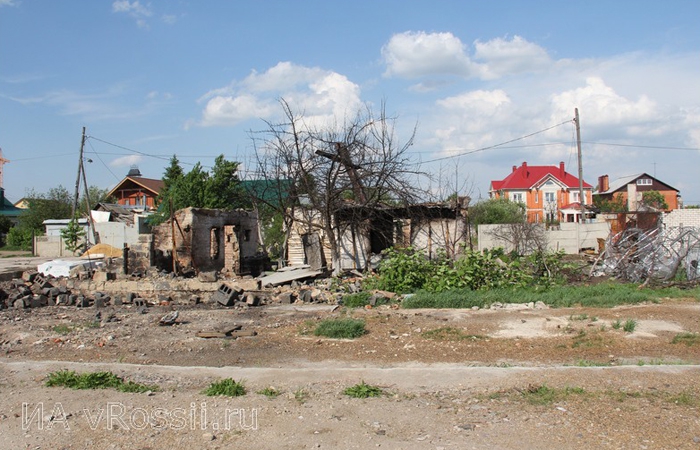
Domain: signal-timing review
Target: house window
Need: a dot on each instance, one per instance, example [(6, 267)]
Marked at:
[(575, 196), (537, 197), (549, 197), (517, 197), (644, 182)]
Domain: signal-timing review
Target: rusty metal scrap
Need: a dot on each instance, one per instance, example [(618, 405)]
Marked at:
[(639, 255)]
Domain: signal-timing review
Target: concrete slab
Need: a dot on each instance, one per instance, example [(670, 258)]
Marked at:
[(288, 275)]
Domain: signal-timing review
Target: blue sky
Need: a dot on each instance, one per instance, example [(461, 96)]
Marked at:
[(149, 79)]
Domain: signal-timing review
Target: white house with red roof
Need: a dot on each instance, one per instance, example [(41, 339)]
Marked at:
[(549, 193)]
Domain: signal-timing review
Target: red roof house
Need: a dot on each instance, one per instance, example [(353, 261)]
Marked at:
[(549, 193)]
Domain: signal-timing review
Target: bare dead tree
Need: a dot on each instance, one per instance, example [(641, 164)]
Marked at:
[(320, 171)]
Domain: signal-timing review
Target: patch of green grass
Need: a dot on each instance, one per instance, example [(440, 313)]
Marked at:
[(357, 300), (629, 326), (688, 339), (449, 334), (301, 395), (341, 328), (363, 390), (578, 317), (583, 339), (544, 395), (307, 327), (590, 363), (91, 324), (269, 392), (603, 295), (617, 324), (685, 398), (227, 387), (62, 329), (95, 380)]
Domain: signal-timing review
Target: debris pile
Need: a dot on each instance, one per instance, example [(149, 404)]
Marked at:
[(638, 255)]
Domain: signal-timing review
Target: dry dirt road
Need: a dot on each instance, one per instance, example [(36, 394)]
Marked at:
[(453, 379)]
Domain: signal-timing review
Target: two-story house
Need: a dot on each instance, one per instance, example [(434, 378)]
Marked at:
[(550, 193), (630, 190), (136, 191)]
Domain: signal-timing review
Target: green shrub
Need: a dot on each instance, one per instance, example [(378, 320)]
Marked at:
[(269, 392), (341, 328), (686, 338), (629, 325), (358, 300), (95, 380), (227, 387), (363, 390)]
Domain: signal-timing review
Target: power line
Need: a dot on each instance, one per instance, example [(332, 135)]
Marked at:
[(496, 145), (644, 146)]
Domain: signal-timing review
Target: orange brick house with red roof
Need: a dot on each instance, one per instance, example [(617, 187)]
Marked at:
[(549, 193)]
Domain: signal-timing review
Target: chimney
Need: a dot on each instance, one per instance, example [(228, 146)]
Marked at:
[(562, 172), (603, 183), (524, 169), (515, 168)]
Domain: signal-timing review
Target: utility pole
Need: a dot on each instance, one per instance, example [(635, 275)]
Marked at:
[(582, 199), (81, 174), (77, 179)]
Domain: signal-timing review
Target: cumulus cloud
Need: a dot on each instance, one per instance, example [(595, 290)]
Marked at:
[(416, 54), (503, 57), (7, 3), (134, 9), (316, 92), (420, 54)]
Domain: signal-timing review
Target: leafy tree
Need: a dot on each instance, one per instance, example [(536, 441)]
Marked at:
[(198, 188), (57, 203), (654, 199), (617, 204), (497, 211), (20, 237), (223, 189)]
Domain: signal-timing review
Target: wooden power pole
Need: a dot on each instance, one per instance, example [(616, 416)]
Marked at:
[(582, 199), (81, 175)]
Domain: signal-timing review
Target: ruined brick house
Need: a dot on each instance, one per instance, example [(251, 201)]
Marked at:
[(206, 240), (364, 232)]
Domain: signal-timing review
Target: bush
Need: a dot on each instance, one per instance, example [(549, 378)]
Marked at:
[(358, 300), (363, 390), (95, 380), (341, 328), (227, 387), (20, 237)]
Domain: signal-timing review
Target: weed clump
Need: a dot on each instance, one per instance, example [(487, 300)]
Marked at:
[(227, 388), (341, 328), (95, 380), (363, 390)]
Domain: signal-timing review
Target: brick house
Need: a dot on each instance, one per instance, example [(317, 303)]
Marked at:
[(549, 193), (136, 191), (631, 189)]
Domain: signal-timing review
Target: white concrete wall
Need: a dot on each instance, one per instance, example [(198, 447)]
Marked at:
[(570, 237)]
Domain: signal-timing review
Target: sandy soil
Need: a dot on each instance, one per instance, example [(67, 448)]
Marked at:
[(452, 378)]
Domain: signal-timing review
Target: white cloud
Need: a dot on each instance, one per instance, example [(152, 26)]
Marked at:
[(420, 54), (134, 9), (502, 57), (316, 92), (416, 54), (128, 160), (7, 3)]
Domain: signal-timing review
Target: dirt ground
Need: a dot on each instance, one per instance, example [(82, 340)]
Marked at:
[(516, 377)]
